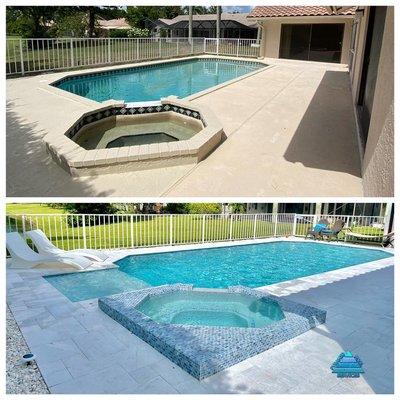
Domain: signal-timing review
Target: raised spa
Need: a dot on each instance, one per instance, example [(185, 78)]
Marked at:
[(137, 130), (119, 137), (205, 331), (211, 309)]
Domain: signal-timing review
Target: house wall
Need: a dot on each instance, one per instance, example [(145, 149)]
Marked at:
[(272, 33), (378, 157)]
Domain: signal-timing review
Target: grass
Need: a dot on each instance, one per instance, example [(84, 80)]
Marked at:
[(32, 208)]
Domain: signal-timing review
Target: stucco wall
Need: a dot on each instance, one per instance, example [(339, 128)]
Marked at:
[(378, 162), (272, 33)]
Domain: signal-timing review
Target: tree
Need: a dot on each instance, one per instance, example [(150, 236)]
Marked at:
[(238, 208), (28, 21), (137, 16), (70, 25), (176, 208), (199, 10), (204, 208), (88, 208)]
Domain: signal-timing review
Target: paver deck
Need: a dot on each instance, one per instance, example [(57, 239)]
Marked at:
[(81, 350), (291, 132)]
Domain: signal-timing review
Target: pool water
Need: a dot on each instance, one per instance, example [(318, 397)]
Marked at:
[(252, 265), (211, 309), (150, 83)]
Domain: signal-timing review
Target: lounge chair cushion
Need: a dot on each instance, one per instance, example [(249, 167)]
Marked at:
[(319, 227)]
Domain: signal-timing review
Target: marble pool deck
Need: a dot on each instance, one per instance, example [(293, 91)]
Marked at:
[(290, 131), (81, 350)]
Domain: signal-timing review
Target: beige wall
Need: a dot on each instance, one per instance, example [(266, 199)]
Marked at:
[(272, 33), (378, 161)]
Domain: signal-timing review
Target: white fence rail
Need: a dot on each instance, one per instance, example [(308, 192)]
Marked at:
[(49, 54), (113, 231)]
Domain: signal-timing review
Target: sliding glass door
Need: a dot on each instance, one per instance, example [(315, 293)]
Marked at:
[(312, 42)]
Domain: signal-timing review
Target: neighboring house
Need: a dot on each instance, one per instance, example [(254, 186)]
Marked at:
[(106, 25), (233, 25), (363, 38), (305, 33)]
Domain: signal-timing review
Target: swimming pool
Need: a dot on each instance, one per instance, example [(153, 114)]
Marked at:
[(154, 81), (252, 265)]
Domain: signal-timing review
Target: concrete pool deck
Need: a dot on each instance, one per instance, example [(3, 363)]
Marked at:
[(291, 131), (68, 337)]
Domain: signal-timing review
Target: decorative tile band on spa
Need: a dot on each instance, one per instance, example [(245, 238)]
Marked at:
[(205, 350), (115, 111)]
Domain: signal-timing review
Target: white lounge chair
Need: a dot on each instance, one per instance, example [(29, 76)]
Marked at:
[(46, 248), (23, 256)]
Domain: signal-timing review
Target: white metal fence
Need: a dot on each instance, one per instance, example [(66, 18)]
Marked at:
[(112, 231), (48, 54)]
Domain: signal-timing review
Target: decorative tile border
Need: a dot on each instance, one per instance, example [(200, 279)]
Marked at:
[(205, 350), (98, 115)]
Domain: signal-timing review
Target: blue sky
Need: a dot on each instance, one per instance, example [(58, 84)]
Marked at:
[(242, 9)]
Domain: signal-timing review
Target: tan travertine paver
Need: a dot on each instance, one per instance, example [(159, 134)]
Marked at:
[(291, 132), (68, 339)]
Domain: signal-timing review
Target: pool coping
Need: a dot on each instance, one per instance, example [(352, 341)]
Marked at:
[(49, 86), (203, 351)]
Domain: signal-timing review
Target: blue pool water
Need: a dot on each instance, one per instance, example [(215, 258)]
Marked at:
[(211, 309), (249, 265), (150, 83)]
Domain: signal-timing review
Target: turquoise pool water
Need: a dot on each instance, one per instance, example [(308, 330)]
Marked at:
[(252, 265), (211, 309), (150, 83)]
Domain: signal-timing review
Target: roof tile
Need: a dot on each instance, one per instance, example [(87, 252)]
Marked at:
[(295, 11)]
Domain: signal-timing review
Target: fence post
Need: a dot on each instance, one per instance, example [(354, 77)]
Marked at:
[(84, 231), (72, 52), (109, 50), (137, 48), (159, 48), (177, 47), (22, 57), (255, 226), (203, 228), (217, 46), (170, 229), (230, 228), (237, 50), (204, 45), (132, 237), (276, 224), (23, 225), (294, 225)]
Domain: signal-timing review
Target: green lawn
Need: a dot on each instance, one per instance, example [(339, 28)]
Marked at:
[(32, 208)]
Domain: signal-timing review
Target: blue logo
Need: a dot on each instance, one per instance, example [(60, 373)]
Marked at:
[(347, 365)]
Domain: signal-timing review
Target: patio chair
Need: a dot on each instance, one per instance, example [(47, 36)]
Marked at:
[(46, 248), (316, 230), (23, 256), (333, 232)]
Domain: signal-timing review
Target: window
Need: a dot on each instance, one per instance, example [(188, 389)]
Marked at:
[(312, 42)]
